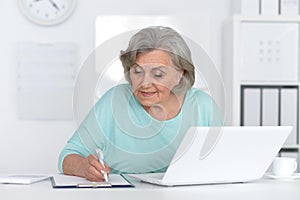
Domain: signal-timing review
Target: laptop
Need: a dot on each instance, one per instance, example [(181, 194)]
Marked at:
[(213, 155)]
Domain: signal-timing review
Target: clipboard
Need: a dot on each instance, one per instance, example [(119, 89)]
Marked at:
[(66, 181)]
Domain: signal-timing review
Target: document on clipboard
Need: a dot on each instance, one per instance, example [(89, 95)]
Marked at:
[(65, 181)]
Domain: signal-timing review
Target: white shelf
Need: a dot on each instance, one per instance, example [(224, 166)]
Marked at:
[(291, 147), (241, 70), (269, 83), (266, 18)]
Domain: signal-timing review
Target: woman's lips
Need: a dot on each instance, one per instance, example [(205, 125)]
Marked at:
[(147, 94)]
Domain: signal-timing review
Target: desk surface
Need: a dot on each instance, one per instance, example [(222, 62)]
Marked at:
[(261, 189)]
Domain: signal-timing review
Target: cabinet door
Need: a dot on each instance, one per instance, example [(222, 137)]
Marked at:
[(269, 51)]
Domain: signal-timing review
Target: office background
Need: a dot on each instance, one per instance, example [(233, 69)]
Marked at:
[(29, 145)]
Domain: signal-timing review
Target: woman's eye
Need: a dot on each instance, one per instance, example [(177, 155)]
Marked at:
[(158, 74), (137, 70)]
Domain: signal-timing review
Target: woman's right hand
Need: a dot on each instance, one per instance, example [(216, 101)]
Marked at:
[(92, 169), (89, 168)]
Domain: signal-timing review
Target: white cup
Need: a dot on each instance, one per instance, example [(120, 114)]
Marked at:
[(283, 166)]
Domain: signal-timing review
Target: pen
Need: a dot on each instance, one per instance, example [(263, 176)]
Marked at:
[(101, 160)]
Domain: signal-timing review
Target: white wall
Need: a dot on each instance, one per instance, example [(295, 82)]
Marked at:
[(33, 146)]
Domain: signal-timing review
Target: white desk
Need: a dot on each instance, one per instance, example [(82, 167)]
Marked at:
[(263, 189)]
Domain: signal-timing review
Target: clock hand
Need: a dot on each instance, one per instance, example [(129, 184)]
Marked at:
[(54, 5)]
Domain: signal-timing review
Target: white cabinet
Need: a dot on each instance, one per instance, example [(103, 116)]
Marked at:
[(261, 73), (269, 51)]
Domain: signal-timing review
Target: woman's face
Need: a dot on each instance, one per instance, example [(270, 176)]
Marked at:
[(153, 76)]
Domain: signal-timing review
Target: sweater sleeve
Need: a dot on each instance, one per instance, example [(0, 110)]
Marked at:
[(74, 146), (89, 134), (85, 139)]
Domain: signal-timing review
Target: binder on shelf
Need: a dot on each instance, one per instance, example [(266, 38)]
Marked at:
[(251, 107), (245, 7), (270, 107), (269, 7), (289, 7), (289, 113)]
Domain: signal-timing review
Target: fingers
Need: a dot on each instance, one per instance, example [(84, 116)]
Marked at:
[(94, 168), (93, 160), (93, 175), (107, 168)]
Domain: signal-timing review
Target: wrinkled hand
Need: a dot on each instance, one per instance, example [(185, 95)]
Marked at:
[(90, 168)]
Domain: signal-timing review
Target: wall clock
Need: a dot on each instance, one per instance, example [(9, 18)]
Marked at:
[(47, 12)]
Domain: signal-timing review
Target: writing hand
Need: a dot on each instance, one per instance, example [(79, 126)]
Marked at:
[(92, 169)]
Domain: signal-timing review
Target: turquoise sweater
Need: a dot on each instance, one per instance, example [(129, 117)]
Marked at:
[(132, 141)]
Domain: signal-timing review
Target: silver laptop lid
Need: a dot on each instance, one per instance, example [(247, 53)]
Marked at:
[(225, 154)]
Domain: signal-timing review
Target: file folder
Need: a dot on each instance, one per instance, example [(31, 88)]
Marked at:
[(65, 181)]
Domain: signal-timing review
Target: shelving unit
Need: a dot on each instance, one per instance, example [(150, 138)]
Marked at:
[(261, 73)]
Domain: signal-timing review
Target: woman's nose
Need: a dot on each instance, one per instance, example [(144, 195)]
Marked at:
[(146, 81)]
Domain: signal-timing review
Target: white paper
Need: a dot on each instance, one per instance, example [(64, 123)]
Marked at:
[(65, 180), (22, 179), (45, 76)]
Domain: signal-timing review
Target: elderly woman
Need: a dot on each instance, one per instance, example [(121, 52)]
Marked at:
[(139, 125)]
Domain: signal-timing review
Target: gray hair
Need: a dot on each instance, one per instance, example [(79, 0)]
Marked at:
[(168, 40)]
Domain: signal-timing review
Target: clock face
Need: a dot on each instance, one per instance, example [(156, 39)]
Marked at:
[(47, 12)]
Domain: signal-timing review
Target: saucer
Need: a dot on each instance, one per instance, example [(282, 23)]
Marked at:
[(293, 176)]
